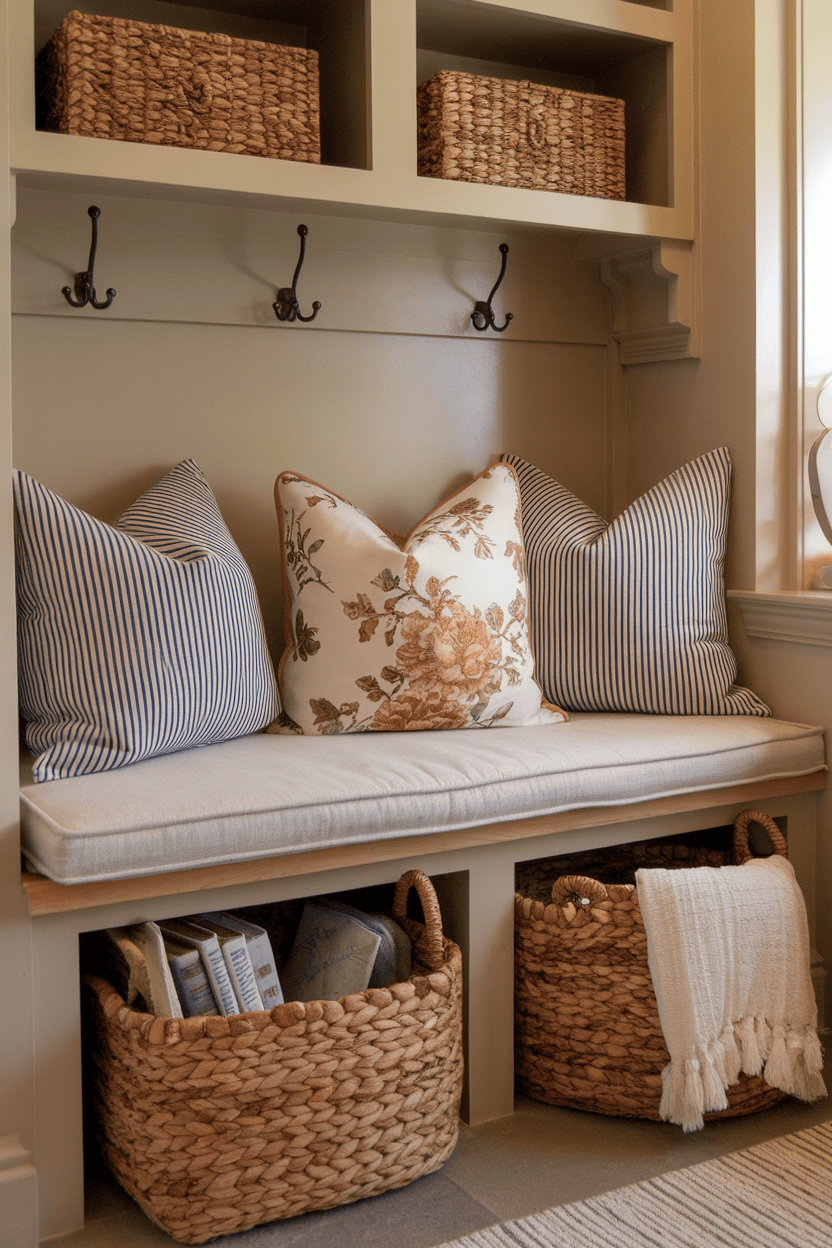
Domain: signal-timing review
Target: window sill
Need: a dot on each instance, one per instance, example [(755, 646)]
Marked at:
[(803, 616)]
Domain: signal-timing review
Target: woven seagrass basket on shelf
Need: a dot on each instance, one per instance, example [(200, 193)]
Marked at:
[(587, 1030), (215, 1125), (110, 78), (478, 129)]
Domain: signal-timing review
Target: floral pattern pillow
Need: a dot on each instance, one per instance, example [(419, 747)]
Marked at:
[(388, 634)]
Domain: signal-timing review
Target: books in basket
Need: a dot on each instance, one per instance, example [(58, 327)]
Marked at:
[(393, 956), (237, 959), (133, 959), (219, 963), (190, 978), (260, 952), (336, 952), (207, 942)]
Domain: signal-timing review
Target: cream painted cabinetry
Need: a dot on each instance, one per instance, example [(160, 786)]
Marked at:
[(372, 55)]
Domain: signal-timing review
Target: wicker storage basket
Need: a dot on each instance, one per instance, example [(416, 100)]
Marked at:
[(214, 1125), (108, 78), (587, 1030), (477, 129)]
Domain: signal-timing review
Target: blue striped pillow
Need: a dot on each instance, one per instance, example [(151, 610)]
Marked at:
[(137, 640), (631, 616)]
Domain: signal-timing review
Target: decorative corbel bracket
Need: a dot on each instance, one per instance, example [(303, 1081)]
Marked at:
[(655, 297)]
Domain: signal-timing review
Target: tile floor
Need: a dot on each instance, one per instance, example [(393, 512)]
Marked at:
[(539, 1157)]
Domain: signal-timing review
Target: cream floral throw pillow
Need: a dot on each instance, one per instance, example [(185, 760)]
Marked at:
[(385, 634)]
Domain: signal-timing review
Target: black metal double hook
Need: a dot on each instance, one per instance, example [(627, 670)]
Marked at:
[(286, 307), (84, 282), (483, 314)]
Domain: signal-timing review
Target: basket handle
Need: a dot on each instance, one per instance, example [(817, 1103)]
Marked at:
[(433, 950), (742, 854), (581, 890)]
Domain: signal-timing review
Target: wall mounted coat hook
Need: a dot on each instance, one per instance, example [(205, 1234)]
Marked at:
[(286, 308), (85, 282), (483, 314)]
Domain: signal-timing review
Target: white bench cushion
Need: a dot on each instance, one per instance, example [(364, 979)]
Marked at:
[(262, 795)]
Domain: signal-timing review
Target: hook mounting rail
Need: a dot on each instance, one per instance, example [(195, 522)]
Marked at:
[(85, 282), (286, 306), (483, 315)]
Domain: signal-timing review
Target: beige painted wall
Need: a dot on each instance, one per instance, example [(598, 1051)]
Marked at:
[(190, 362), (677, 410)]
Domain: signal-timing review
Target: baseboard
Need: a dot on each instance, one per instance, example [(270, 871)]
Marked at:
[(18, 1195)]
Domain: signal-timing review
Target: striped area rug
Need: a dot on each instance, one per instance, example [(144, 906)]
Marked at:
[(774, 1195)]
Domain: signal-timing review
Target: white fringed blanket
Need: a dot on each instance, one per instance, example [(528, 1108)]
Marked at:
[(728, 950)]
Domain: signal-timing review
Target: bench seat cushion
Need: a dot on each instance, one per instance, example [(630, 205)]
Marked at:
[(262, 795)]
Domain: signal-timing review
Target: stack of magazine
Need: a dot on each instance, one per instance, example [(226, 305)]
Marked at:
[(220, 963)]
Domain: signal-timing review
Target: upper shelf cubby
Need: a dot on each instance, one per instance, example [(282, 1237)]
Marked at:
[(501, 42), (372, 54), (335, 29)]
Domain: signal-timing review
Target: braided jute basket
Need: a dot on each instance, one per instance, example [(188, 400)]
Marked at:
[(478, 129), (587, 1030), (111, 78), (215, 1125)]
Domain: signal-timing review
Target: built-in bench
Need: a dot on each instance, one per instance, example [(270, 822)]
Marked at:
[(265, 818)]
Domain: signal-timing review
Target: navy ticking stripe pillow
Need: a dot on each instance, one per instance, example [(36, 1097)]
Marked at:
[(137, 640), (631, 616)]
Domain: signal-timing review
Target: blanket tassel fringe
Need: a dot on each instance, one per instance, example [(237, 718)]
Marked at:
[(788, 1058)]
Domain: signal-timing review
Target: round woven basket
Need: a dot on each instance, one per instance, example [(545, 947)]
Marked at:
[(214, 1125), (587, 1030)]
